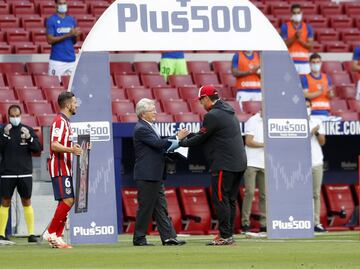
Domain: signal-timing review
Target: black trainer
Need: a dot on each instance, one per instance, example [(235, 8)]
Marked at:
[(245, 229), (319, 229), (5, 238), (33, 239), (263, 229)]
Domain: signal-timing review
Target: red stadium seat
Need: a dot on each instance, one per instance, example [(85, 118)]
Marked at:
[(12, 68), (201, 79), (65, 81), (98, 7), (323, 211), (327, 34), (127, 81), (122, 107), (46, 81), (198, 66), (348, 116), (354, 105), (128, 117), (7, 95), (196, 107), (317, 47), (20, 81), (75, 7), (338, 106), (146, 67), (331, 66), (135, 94), (29, 120), (52, 94), (164, 94), (25, 48), (130, 205), (85, 20), (16, 35), (38, 35), (2, 81), (164, 117), (255, 208), (352, 9), (117, 94), (346, 92), (32, 21), (251, 107), (340, 78), (221, 67), (317, 21), (226, 94), (22, 7), (273, 20), (4, 8), (196, 210), (187, 117), (180, 80), (38, 107), (45, 120), (174, 210), (235, 105), (188, 93), (350, 34), (336, 46), (5, 48), (152, 81), (9, 21), (35, 68), (121, 68), (29, 95), (227, 80), (341, 22), (340, 204), (279, 8), (175, 106), (327, 8)]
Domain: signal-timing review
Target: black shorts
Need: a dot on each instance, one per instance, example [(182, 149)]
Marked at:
[(23, 185)]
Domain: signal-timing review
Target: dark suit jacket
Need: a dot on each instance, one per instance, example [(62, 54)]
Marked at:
[(149, 153)]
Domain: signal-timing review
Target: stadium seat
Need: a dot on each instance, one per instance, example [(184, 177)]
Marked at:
[(331, 66), (338, 105), (349, 34), (354, 105), (352, 9), (98, 7), (180, 80), (196, 210), (117, 94), (146, 67), (317, 21), (128, 117), (122, 107), (164, 117), (38, 107), (4, 8), (45, 120), (323, 211), (327, 8), (7, 95), (174, 210), (327, 34), (201, 79), (38, 35), (340, 205), (340, 78), (235, 105), (317, 47), (279, 8), (29, 95), (228, 80), (25, 48), (221, 67), (196, 107), (12, 68), (130, 205), (127, 81), (34, 68), (46, 8), (20, 81), (75, 8), (17, 35), (198, 66), (5, 104), (346, 92), (187, 117), (9, 21), (135, 94), (65, 81), (46, 81), (29, 120), (226, 94), (336, 46), (347, 116), (251, 107), (341, 22), (188, 93), (52, 94), (166, 93), (85, 20), (22, 7), (32, 21), (121, 68), (255, 208), (175, 106), (5, 48), (152, 81)]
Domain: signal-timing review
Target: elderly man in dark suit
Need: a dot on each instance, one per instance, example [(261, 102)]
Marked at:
[(149, 174)]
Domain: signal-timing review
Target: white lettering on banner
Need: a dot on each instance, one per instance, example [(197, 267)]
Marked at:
[(288, 128), (188, 18), (170, 128), (98, 130), (292, 224), (93, 230), (342, 128)]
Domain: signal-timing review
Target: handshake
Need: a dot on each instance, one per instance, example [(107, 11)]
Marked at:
[(175, 142)]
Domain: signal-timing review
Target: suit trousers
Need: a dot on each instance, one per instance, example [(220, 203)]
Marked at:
[(317, 174), (152, 203), (225, 188)]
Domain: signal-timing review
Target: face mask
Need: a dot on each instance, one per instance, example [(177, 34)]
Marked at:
[(62, 8), (308, 111), (315, 67), (15, 121), (297, 17)]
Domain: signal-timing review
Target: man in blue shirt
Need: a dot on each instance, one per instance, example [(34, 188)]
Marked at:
[(61, 35)]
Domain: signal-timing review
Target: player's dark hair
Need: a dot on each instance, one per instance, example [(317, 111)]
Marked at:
[(308, 100), (315, 56), (214, 97), (295, 6), (64, 97), (12, 107)]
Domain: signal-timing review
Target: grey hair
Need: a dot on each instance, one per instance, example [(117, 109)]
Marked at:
[(143, 106)]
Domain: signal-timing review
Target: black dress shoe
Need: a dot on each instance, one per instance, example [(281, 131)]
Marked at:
[(173, 242), (33, 239), (5, 238), (143, 244)]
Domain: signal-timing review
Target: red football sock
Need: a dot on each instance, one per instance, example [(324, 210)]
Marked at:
[(61, 227), (59, 216)]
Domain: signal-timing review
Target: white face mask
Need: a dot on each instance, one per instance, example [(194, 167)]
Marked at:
[(315, 67), (62, 8), (296, 17), (15, 121), (308, 111)]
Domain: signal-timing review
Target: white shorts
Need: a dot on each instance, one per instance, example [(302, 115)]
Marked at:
[(358, 91), (303, 69), (57, 68), (243, 96)]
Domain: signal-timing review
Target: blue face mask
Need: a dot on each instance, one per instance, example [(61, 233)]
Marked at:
[(15, 121), (62, 8)]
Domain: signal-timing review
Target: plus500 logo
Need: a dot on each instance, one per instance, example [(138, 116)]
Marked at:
[(98, 130), (292, 224), (193, 19), (93, 230), (288, 128)]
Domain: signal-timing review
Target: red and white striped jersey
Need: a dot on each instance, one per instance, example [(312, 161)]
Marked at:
[(60, 164)]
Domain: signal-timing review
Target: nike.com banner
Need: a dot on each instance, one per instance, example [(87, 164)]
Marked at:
[(91, 86), (287, 150)]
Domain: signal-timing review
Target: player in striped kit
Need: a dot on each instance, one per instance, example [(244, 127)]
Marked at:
[(62, 149)]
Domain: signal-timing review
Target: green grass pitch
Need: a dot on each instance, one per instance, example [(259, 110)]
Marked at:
[(331, 250)]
